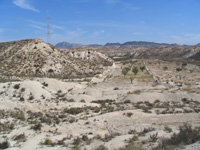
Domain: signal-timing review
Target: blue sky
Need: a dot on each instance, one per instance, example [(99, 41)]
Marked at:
[(102, 21)]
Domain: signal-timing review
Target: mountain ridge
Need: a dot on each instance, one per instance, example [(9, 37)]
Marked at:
[(67, 45)]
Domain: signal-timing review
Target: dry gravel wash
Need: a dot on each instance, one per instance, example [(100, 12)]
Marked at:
[(111, 119)]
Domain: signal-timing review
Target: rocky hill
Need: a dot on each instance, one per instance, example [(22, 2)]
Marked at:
[(162, 52), (33, 57)]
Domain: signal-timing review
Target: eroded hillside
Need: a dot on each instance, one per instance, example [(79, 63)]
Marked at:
[(33, 57), (188, 53)]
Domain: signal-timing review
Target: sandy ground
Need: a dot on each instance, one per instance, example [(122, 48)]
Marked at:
[(59, 95)]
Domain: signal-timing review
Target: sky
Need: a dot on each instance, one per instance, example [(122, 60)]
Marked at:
[(101, 21)]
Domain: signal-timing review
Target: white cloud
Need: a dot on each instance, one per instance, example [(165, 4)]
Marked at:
[(75, 33), (37, 27), (57, 27), (25, 5), (98, 33), (6, 29), (41, 25)]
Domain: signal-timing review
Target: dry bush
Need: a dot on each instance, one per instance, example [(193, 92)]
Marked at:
[(167, 129), (37, 126), (74, 111), (4, 145), (20, 138), (135, 92), (187, 135), (146, 130), (48, 142), (101, 147), (116, 88), (189, 90), (153, 137), (16, 86)]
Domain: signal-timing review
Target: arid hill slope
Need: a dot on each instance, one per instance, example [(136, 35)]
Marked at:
[(164, 52), (33, 57)]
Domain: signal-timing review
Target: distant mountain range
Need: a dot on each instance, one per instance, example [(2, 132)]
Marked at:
[(146, 44), (142, 49), (66, 45)]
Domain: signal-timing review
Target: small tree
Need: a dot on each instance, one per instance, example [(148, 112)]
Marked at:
[(135, 70), (142, 68), (178, 69), (165, 68), (131, 78), (125, 71), (184, 65)]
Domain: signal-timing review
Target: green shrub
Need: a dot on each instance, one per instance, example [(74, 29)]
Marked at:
[(142, 68), (125, 71), (178, 69), (73, 111), (4, 145), (16, 86), (165, 68), (135, 70)]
